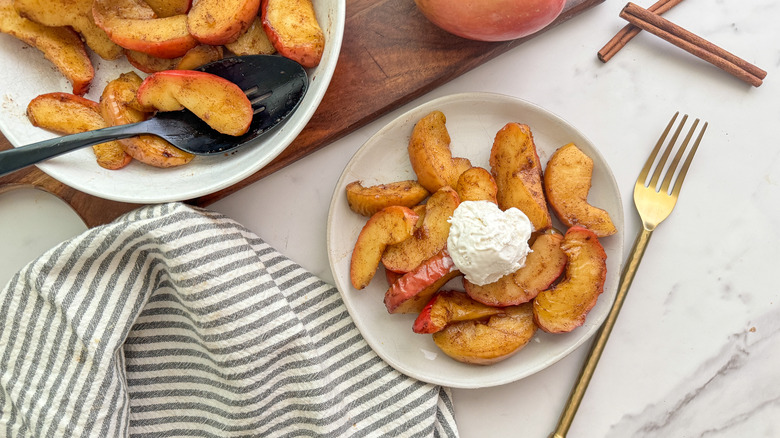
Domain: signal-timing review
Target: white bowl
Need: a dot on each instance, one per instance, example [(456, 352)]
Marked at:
[(26, 74)]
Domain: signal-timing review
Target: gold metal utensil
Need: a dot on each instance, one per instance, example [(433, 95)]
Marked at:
[(654, 203)]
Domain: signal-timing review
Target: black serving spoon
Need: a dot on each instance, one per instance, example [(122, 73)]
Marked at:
[(275, 85)]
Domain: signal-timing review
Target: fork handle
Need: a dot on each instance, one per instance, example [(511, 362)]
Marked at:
[(21, 157), (578, 390)]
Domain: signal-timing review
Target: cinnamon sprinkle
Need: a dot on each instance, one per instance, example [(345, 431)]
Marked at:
[(629, 31), (663, 28)]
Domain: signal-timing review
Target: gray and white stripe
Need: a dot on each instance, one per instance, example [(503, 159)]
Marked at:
[(176, 321)]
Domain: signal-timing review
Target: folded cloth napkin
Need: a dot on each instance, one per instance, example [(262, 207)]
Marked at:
[(177, 321)]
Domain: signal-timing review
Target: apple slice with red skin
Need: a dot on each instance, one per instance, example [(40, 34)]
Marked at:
[(387, 226), (447, 307), (429, 238), (542, 267), (217, 101), (564, 307), (219, 22), (292, 27), (134, 26), (484, 342), (411, 292)]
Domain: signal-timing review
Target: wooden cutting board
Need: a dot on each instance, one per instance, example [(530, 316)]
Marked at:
[(390, 55)]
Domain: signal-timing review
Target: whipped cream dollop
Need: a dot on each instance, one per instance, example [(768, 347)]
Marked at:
[(486, 243)]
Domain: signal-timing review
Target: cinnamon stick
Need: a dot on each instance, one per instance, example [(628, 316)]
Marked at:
[(629, 31), (657, 25)]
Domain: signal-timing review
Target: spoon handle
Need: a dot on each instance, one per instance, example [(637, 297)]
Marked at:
[(21, 157)]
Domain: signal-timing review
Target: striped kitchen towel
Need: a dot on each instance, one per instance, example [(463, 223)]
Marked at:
[(176, 321)]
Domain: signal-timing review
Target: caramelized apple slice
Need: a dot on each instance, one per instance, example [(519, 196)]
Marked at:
[(413, 290), (429, 238), (484, 342), (542, 267), (476, 184), (392, 225), (567, 180), (564, 307), (117, 105), (62, 46), (368, 200), (76, 14), (252, 42), (430, 154), (66, 113), (217, 101), (168, 8), (218, 22), (134, 26), (447, 307), (293, 29), (518, 173)]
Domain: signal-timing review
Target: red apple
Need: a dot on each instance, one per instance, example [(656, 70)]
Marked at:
[(491, 20)]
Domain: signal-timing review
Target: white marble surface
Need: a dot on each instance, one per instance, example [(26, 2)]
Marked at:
[(695, 350)]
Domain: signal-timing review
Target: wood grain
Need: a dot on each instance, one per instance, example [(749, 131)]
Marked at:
[(390, 55)]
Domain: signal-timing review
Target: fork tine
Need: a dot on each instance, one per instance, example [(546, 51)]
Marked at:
[(677, 157), (642, 179), (662, 161), (678, 184)]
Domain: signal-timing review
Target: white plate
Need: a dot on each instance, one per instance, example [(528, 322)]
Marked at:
[(472, 121), (26, 74)]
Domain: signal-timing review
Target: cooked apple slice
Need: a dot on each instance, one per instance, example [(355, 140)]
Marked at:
[(218, 22), (430, 154), (447, 307), (543, 266), (60, 45), (252, 42), (392, 225), (486, 342), (150, 64), (567, 180), (118, 107), (219, 102), (564, 307), (518, 173), (134, 26), (476, 184), (168, 8), (200, 55), (66, 113), (76, 14), (194, 58), (292, 27), (368, 200), (429, 238), (413, 290)]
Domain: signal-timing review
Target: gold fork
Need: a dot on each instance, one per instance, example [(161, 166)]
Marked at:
[(654, 204)]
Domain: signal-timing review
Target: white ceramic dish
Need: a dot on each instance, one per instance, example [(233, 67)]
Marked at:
[(26, 74), (472, 121)]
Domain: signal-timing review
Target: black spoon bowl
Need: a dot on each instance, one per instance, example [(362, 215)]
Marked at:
[(275, 85)]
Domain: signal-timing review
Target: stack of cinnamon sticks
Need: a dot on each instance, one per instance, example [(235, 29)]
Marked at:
[(651, 21)]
